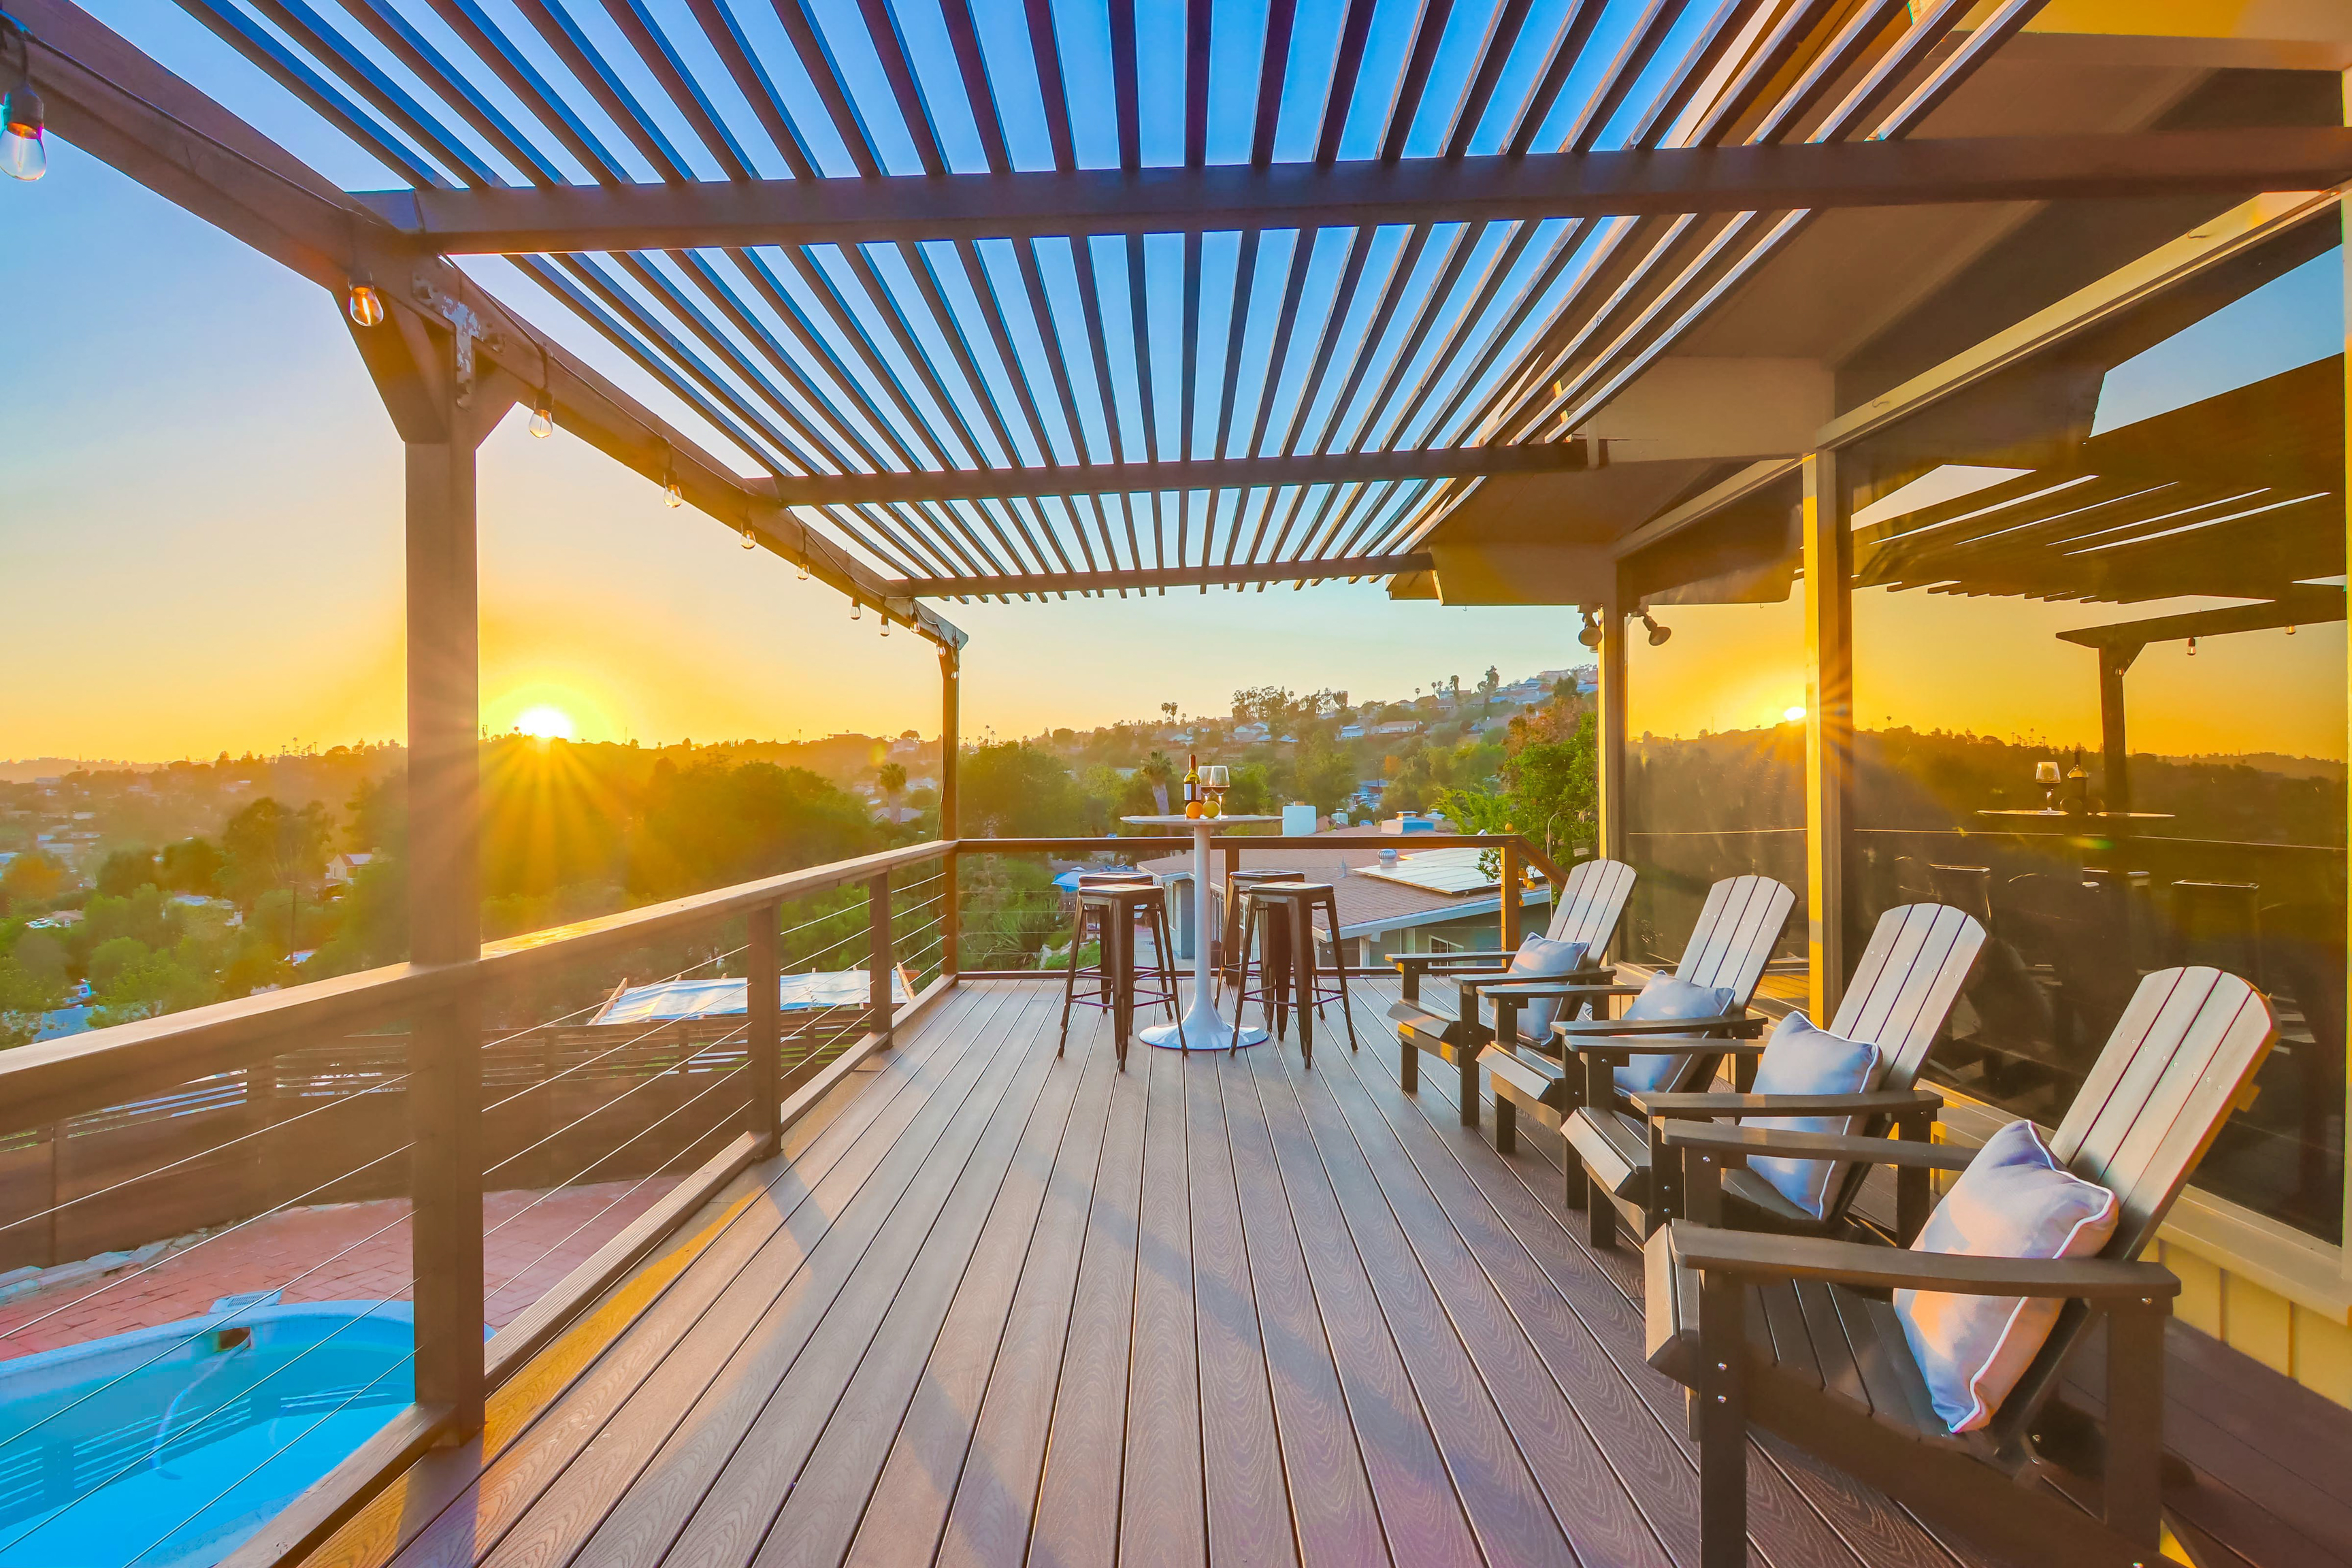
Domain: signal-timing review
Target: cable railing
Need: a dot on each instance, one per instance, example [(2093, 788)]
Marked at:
[(158, 1155)]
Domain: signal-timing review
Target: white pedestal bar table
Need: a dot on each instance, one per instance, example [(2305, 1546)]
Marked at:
[(1199, 1028)]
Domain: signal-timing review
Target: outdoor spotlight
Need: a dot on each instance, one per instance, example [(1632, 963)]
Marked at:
[(1590, 635), (363, 304), (22, 156), (1658, 633)]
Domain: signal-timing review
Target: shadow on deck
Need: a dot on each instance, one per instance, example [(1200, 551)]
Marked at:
[(997, 1307)]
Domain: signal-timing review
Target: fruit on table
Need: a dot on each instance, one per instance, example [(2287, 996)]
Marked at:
[(1192, 808), (1212, 807)]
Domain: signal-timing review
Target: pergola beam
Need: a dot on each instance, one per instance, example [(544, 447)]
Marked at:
[(1777, 177), (1163, 577), (1200, 474)]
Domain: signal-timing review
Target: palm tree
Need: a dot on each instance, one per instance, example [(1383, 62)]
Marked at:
[(1159, 770), (892, 777)]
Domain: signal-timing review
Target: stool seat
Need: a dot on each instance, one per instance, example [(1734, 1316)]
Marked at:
[(1112, 902), (1285, 911), (1229, 932)]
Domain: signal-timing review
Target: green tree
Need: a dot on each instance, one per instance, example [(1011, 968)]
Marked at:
[(34, 877), (1488, 685), (191, 866), (892, 777), (1011, 790), (1324, 772), (23, 997), (1551, 768), (146, 986), (125, 872), (267, 846)]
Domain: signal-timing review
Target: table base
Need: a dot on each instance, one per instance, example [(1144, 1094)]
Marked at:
[(1202, 1030)]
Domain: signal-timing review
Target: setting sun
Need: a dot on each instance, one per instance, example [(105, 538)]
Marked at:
[(547, 723)]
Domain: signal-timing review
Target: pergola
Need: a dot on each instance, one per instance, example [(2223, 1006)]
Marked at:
[(1050, 298)]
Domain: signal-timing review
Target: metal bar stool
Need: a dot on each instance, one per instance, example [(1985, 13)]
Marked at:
[(1228, 961), (1288, 983), (1113, 905)]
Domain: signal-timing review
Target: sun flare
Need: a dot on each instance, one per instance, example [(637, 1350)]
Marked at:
[(547, 723)]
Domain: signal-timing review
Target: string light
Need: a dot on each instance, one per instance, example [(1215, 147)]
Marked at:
[(2192, 648), (802, 564), (23, 153), (856, 610), (751, 539), (672, 496), (363, 304), (542, 416)]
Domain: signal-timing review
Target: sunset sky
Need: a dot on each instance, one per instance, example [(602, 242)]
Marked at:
[(200, 548), (200, 502)]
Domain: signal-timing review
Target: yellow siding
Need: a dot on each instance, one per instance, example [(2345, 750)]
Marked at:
[(2310, 1347), (2323, 1355)]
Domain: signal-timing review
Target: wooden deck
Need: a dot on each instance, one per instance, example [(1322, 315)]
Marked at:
[(997, 1309)]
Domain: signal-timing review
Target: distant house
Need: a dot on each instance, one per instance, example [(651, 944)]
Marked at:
[(1248, 733), (341, 868), (1397, 727), (1351, 732)]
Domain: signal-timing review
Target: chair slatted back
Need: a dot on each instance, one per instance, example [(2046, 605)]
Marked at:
[(2176, 1063), (1733, 940), (1590, 899), (1729, 947), (1905, 983), (2174, 1066)]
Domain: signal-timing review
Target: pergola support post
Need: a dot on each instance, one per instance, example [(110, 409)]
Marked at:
[(1829, 728), (442, 422), (1609, 731), (950, 721)]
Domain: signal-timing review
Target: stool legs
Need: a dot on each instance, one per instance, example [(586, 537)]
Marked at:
[(1241, 975), (1302, 977), (1070, 976), (1119, 935)]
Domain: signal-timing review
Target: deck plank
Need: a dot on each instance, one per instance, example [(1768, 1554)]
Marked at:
[(941, 1329), (1001, 1310), (1162, 1510), (792, 1375), (1505, 1505), (630, 1491), (510, 1471), (947, 1452), (1332, 1513), (1076, 1521), (1249, 1509)]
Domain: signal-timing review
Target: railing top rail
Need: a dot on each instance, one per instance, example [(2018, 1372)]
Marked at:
[(1162, 843), (57, 1079)]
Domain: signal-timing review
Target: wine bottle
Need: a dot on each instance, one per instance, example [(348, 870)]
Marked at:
[(1191, 777)]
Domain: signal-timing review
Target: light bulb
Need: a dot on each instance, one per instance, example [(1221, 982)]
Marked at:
[(802, 564), (856, 610), (751, 539), (886, 626), (2192, 648), (23, 154), (542, 418), (671, 495), (365, 305)]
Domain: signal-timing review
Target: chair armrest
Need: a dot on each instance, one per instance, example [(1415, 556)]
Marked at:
[(1600, 1030), (1697, 1107), (1404, 961), (1499, 982), (1745, 1142), (1555, 986), (1755, 1254)]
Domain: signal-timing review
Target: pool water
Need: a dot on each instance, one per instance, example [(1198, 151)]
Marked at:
[(167, 1447)]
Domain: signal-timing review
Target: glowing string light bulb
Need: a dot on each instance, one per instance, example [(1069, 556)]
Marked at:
[(23, 154), (751, 539), (543, 417), (363, 304), (672, 496), (856, 610)]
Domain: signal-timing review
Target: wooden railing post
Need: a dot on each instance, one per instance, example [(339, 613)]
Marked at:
[(879, 1002), (762, 1043), (1510, 888)]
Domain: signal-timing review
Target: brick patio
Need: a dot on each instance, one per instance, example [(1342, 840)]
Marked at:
[(521, 1261)]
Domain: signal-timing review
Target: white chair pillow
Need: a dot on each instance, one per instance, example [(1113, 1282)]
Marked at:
[(1803, 1060), (1541, 958), (2013, 1201), (1665, 996)]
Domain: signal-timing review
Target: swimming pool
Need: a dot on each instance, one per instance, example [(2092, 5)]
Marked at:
[(167, 1447)]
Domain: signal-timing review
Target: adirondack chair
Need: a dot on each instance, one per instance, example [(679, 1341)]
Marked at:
[(1778, 1331), (1902, 991), (1585, 911), (1729, 947)]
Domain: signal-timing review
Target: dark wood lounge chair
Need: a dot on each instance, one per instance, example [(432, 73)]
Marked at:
[(1728, 948), (1790, 1332), (1902, 989), (1585, 910)]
